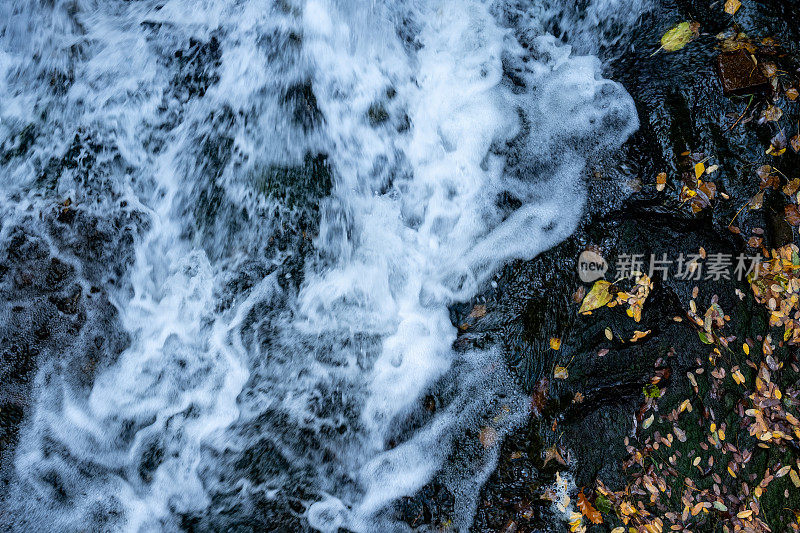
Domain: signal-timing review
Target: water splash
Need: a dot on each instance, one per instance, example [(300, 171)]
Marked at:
[(320, 181)]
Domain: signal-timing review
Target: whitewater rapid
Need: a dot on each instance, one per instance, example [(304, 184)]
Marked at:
[(282, 337)]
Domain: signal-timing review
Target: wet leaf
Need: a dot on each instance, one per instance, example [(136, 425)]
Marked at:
[(561, 372), (732, 6), (555, 343), (757, 201), (478, 311), (539, 396), (794, 142), (609, 334), (793, 185), (648, 421), (552, 453), (699, 169), (777, 145), (651, 391), (679, 36), (792, 215), (661, 181), (599, 296), (588, 510), (488, 436), (773, 113)]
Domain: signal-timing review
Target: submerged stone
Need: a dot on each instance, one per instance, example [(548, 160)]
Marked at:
[(739, 74)]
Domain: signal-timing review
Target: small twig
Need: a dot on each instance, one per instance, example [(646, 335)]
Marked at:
[(740, 210), (742, 115)]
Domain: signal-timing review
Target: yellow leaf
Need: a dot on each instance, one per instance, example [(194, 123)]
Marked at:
[(598, 297), (732, 6), (745, 514), (555, 343), (795, 478), (561, 373), (618, 530), (609, 334), (699, 170), (746, 348), (679, 36)]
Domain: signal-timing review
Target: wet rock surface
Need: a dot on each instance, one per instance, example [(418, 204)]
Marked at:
[(687, 107), (55, 274)]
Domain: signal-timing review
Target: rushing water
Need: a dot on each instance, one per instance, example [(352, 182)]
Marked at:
[(311, 185)]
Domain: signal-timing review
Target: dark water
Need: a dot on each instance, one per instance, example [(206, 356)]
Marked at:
[(232, 232)]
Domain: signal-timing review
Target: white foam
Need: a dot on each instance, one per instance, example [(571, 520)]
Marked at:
[(332, 376)]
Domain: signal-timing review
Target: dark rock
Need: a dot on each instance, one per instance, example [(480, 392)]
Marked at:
[(303, 105), (739, 74)]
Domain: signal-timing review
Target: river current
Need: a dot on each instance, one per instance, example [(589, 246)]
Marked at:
[(308, 185)]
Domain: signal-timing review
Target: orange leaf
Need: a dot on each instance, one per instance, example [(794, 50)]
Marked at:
[(588, 510)]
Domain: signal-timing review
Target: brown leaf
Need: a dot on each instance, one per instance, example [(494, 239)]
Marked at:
[(773, 113), (757, 201), (792, 215), (478, 311), (553, 453), (587, 510), (539, 396), (488, 436), (755, 242), (578, 295), (768, 177), (794, 142)]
